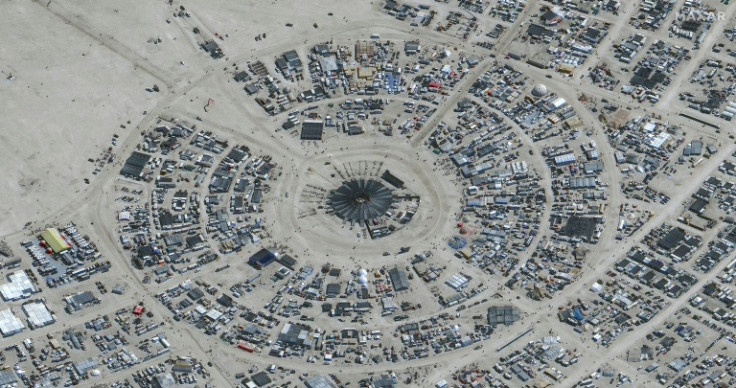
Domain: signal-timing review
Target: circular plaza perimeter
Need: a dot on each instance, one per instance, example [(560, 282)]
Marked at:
[(337, 200)]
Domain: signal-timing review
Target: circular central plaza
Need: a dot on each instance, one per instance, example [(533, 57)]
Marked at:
[(363, 202), (360, 200)]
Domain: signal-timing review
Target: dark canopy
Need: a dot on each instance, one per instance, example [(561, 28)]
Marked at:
[(360, 200)]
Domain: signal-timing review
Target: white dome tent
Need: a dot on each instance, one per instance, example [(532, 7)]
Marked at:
[(539, 90)]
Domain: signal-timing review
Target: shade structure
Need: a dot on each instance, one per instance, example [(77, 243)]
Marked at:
[(360, 200), (539, 90), (54, 240), (457, 243)]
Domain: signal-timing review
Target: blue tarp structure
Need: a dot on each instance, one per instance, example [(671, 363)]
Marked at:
[(262, 258), (577, 314), (457, 243)]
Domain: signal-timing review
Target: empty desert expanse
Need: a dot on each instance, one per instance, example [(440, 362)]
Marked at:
[(67, 95)]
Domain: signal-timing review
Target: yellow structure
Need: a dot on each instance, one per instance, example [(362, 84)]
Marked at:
[(466, 253), (54, 240), (565, 68)]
